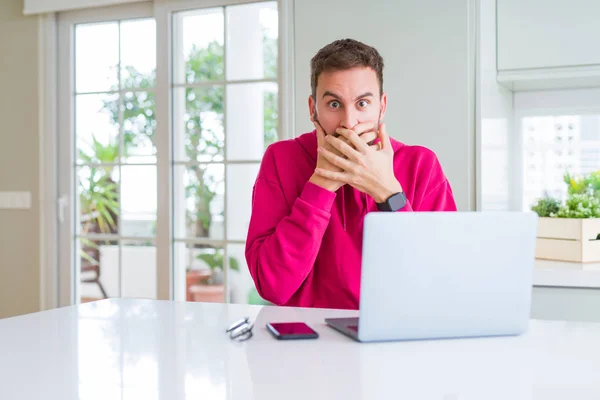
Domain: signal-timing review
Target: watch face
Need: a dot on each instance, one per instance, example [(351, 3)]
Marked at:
[(397, 201)]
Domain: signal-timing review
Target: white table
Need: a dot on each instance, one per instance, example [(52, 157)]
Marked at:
[(142, 349)]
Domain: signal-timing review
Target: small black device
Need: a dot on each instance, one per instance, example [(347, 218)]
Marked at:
[(395, 202), (291, 330)]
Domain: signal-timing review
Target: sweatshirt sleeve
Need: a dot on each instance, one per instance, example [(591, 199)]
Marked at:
[(429, 189), (283, 241), (439, 199)]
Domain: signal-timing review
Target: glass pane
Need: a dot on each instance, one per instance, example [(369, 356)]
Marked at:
[(97, 128), (198, 124), (98, 207), (96, 57), (138, 200), (204, 276), (251, 119), (252, 31), (99, 269), (198, 201), (241, 286), (554, 146), (138, 53), (139, 269), (240, 181), (139, 125), (198, 46)]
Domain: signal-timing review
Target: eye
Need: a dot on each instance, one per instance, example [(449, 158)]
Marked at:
[(362, 104), (334, 104)]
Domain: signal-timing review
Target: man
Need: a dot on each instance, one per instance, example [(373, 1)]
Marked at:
[(312, 193)]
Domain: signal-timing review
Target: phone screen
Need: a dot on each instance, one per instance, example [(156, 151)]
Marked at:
[(292, 330)]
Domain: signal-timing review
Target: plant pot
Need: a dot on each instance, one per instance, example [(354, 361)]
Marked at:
[(568, 239), (193, 278), (207, 293)]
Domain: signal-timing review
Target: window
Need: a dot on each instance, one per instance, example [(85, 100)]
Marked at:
[(554, 146), (559, 134), (224, 116), (220, 73), (114, 169)]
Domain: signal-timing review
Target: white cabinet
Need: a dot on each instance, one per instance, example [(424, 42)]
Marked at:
[(549, 43)]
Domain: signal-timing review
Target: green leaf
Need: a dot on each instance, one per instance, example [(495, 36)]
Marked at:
[(585, 205), (546, 207), (85, 255), (233, 264)]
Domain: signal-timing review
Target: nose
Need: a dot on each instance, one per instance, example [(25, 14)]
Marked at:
[(349, 118)]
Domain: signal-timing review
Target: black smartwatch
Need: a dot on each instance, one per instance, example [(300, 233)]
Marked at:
[(395, 202)]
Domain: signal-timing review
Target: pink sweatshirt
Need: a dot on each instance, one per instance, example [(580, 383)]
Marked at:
[(304, 243)]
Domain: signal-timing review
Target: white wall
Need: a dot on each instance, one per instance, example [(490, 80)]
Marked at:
[(495, 106), (429, 74)]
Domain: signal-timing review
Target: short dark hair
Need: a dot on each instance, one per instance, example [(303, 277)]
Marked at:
[(345, 54)]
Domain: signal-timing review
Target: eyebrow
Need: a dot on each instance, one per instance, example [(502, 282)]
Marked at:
[(335, 96)]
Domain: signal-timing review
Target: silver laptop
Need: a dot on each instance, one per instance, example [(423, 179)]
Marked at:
[(444, 275)]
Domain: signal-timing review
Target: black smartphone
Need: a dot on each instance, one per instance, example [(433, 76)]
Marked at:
[(291, 330)]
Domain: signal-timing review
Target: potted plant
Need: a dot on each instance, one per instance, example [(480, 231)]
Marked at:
[(207, 284), (570, 231), (98, 207)]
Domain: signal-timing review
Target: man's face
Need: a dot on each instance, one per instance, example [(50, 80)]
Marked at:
[(347, 98)]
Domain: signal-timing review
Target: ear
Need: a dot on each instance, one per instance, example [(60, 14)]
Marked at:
[(312, 107), (383, 105)]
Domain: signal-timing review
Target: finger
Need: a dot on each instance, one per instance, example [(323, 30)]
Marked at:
[(334, 176), (354, 139), (384, 138), (343, 147), (333, 159), (364, 127), (375, 144), (343, 139), (332, 149), (369, 137), (320, 132), (336, 160)]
